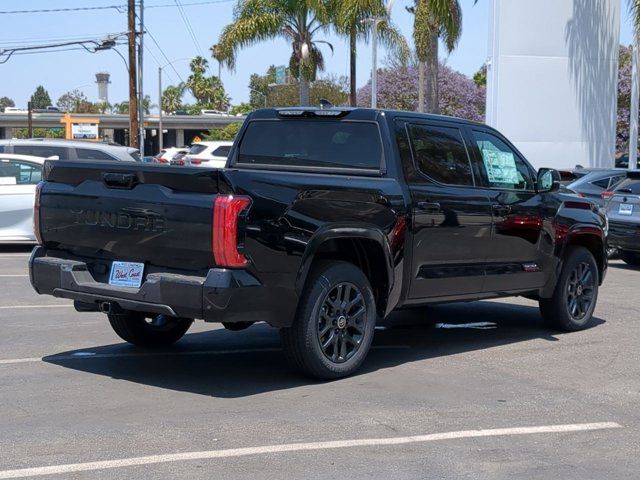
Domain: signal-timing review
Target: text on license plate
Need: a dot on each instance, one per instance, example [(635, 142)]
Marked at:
[(126, 274), (625, 209)]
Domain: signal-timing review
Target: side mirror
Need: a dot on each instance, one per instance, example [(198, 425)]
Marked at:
[(548, 180)]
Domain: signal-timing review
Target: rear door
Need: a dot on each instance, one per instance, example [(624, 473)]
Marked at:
[(18, 180), (623, 211), (514, 260), (451, 217)]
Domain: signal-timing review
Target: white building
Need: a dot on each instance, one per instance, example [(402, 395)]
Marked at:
[(551, 79)]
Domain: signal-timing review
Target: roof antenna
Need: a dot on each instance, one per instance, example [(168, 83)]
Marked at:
[(324, 103)]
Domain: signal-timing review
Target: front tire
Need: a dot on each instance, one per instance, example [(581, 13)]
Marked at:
[(334, 326), (574, 298), (145, 331)]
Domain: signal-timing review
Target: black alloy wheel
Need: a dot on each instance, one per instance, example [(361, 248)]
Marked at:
[(341, 322), (580, 290)]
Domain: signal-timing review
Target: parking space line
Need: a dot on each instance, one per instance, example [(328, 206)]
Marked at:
[(14, 276), (14, 255), (300, 447), (9, 307), (84, 355)]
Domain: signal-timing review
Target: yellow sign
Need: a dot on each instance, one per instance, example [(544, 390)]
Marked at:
[(196, 139), (80, 128)]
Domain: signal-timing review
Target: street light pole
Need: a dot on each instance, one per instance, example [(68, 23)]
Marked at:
[(634, 107), (160, 131), (375, 22)]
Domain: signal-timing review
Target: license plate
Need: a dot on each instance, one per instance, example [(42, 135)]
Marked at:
[(126, 274), (625, 209)]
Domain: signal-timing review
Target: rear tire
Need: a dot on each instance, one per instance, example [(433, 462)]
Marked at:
[(574, 298), (334, 326), (630, 258), (144, 331)]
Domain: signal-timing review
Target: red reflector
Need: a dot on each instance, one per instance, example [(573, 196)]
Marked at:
[(195, 161), (226, 212), (36, 214)]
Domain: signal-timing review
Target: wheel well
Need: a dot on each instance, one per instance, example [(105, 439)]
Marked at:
[(365, 254), (594, 244)]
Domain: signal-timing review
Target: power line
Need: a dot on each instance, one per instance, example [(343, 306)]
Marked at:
[(153, 39), (119, 8), (190, 4), (189, 28)]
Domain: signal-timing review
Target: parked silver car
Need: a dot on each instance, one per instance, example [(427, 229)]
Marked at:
[(593, 182), (623, 212), (70, 149)]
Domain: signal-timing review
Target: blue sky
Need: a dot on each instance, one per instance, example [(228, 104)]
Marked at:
[(63, 71)]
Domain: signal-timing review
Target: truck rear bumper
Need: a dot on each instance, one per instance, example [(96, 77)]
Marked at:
[(222, 295)]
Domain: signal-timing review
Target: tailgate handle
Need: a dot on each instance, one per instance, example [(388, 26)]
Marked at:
[(120, 180)]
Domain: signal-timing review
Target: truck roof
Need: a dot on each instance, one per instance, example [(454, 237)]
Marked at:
[(359, 112)]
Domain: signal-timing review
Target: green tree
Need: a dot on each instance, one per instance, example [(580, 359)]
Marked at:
[(40, 98), (208, 91), (6, 102), (172, 98), (434, 20), (350, 19), (121, 108), (41, 133), (480, 77), (297, 21), (243, 108), (331, 88), (76, 102), (227, 133)]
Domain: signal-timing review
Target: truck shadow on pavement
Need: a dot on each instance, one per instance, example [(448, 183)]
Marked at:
[(226, 364)]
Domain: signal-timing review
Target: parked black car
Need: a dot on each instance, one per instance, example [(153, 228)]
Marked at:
[(623, 210), (323, 222)]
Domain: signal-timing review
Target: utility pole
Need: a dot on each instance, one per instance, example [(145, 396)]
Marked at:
[(30, 119), (160, 139), (140, 85), (133, 90)]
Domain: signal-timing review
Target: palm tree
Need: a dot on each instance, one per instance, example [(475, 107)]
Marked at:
[(350, 20), (297, 21), (172, 98), (434, 20)]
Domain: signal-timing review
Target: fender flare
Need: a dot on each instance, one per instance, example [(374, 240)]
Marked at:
[(334, 231)]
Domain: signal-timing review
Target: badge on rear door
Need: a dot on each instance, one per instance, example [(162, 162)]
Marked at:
[(126, 274)]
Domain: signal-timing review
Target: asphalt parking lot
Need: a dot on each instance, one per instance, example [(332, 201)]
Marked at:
[(467, 391)]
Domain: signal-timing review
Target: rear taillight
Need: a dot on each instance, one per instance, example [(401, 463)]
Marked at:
[(36, 214), (606, 195), (197, 161), (226, 214)]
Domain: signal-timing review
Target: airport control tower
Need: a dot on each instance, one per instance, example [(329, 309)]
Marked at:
[(102, 79)]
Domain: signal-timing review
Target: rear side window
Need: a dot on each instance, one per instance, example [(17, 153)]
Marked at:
[(603, 183), (312, 143), (440, 153), (629, 185), (197, 148), (88, 154), (17, 172), (222, 151), (42, 151)]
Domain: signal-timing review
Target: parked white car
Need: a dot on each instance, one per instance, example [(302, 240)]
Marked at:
[(19, 175), (208, 154), (167, 154)]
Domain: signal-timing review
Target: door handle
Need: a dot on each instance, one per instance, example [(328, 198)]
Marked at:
[(431, 207), (501, 210)]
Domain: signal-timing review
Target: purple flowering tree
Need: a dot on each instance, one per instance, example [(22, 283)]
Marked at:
[(398, 90), (624, 100)]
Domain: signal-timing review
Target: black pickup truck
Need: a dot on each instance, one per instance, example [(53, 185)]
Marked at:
[(323, 222)]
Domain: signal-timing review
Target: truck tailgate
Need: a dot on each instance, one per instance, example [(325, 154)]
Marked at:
[(154, 214)]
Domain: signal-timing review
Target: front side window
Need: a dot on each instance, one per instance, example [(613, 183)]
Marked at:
[(502, 166), (16, 172), (440, 154), (311, 143)]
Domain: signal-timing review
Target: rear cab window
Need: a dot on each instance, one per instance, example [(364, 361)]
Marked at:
[(629, 185), (311, 144)]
